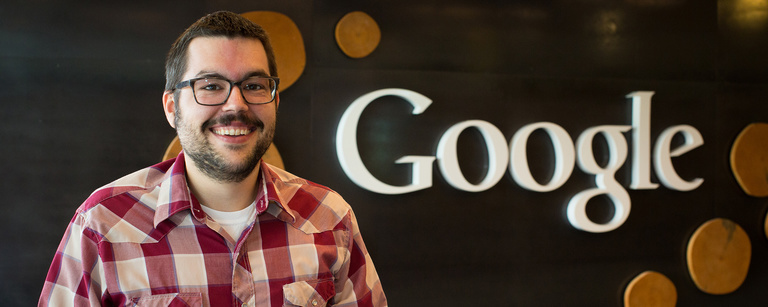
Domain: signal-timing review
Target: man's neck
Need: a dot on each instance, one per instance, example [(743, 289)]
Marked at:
[(222, 196)]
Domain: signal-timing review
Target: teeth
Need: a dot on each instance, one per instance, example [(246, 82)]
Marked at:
[(231, 131)]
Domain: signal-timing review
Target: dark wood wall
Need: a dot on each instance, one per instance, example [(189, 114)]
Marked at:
[(80, 102)]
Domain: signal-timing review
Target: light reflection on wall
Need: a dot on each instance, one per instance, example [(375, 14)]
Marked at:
[(607, 26), (743, 14), (655, 3)]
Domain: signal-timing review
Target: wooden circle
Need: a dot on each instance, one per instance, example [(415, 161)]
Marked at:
[(173, 150), (287, 44), (357, 34), (749, 159), (650, 289), (765, 226), (718, 256), (272, 156)]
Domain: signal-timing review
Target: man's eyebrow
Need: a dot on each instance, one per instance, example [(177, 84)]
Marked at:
[(258, 73), (209, 74), (212, 74)]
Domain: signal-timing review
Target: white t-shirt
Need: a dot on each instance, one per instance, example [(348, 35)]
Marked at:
[(233, 222)]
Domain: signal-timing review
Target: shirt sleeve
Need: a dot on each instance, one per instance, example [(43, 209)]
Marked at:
[(72, 279), (357, 282)]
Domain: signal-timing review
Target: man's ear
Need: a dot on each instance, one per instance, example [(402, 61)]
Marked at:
[(169, 106)]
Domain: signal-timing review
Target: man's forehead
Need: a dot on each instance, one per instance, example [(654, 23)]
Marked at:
[(223, 43), (226, 54)]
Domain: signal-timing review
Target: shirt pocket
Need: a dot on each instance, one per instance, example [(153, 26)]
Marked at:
[(312, 293), (169, 300)]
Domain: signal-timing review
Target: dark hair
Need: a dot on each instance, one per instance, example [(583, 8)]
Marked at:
[(220, 23)]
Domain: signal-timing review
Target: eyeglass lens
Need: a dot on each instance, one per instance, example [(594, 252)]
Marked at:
[(212, 91)]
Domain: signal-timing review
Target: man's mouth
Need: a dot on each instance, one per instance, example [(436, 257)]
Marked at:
[(234, 125), (231, 131)]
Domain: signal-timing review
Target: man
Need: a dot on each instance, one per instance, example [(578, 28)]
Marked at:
[(215, 226)]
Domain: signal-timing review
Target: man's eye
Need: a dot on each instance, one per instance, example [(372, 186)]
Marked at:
[(253, 86), (209, 87)]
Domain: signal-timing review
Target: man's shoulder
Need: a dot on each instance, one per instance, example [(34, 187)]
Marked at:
[(315, 206), (134, 185), (123, 210), (282, 176)]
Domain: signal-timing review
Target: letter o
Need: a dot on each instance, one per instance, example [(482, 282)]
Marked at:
[(565, 157), (497, 155)]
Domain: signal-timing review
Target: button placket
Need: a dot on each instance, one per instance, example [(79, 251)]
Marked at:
[(242, 279)]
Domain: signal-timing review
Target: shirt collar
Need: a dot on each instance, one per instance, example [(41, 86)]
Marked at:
[(273, 186), (175, 195)]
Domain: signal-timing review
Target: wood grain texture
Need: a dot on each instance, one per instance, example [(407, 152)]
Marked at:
[(357, 34), (718, 255), (749, 159), (287, 43), (650, 289)]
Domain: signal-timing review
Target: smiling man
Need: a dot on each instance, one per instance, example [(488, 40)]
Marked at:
[(215, 226)]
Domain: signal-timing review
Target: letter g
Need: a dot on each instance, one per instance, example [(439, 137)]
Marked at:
[(349, 156)]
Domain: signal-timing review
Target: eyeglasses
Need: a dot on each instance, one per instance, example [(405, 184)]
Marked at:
[(214, 91)]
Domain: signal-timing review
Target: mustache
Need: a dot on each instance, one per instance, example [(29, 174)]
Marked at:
[(228, 118)]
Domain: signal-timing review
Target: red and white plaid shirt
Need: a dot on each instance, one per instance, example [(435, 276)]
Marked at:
[(143, 240)]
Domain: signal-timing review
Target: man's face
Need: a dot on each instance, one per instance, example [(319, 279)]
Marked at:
[(227, 141)]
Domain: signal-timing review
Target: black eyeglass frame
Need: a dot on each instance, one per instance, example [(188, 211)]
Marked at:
[(191, 83)]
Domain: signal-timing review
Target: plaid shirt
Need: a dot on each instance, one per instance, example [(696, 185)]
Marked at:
[(143, 240)]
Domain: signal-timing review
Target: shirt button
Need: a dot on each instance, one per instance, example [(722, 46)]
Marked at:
[(314, 302), (245, 305)]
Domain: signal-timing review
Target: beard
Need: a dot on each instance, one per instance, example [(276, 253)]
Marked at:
[(213, 164)]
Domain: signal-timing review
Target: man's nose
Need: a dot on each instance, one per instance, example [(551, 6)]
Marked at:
[(235, 101)]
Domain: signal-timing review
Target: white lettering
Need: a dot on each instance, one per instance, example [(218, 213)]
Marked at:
[(641, 138), (516, 157), (564, 157), (664, 168), (604, 179), (349, 156), (497, 155)]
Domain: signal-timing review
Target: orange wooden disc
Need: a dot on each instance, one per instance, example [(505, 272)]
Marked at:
[(173, 150), (718, 256), (650, 289), (357, 34), (749, 159), (765, 226), (272, 156), (287, 44)]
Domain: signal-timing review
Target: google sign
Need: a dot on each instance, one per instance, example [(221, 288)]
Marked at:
[(512, 156)]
